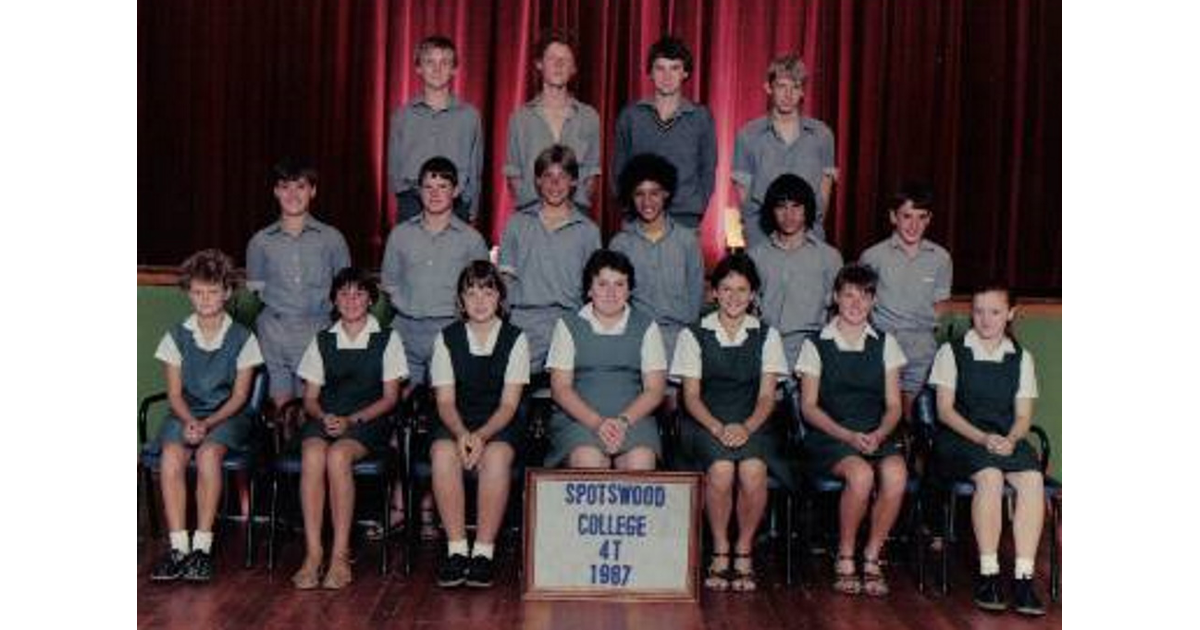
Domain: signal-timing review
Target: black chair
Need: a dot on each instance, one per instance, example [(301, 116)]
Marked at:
[(817, 486), (379, 468), (947, 493), (235, 462)]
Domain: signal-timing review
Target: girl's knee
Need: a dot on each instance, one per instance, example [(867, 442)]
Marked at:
[(752, 474), (587, 457), (720, 475), (989, 480), (640, 458)]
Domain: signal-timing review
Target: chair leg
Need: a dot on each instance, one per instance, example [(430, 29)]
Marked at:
[(917, 531), (1055, 565), (950, 503), (386, 521), (151, 505), (250, 522), (272, 522), (789, 532)]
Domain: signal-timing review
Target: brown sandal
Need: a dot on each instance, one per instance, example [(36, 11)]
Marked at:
[(717, 579), (846, 582), (873, 581), (338, 575), (308, 576), (743, 577)]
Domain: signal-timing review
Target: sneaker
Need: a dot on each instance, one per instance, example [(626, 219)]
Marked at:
[(988, 595), (453, 571), (169, 567), (1025, 599), (479, 572), (198, 567)]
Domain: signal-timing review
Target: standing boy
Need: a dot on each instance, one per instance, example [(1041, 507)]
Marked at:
[(290, 264), (674, 127), (432, 124), (783, 141), (797, 269), (543, 251), (554, 116), (915, 276)]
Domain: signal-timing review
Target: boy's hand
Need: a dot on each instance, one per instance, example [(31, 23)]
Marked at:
[(194, 432), (335, 426)]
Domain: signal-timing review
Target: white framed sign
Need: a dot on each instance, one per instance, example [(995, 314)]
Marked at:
[(599, 534)]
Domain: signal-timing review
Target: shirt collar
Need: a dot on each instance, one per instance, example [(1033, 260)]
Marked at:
[(809, 239), (635, 227), (685, 106), (572, 104), (830, 331), (712, 322), (420, 103), (344, 339), (454, 224), (191, 324), (972, 341), (310, 224), (590, 317), (535, 209), (924, 245)]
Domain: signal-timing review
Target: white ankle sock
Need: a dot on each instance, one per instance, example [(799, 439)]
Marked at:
[(202, 541), (1024, 568), (458, 547), (484, 549), (989, 564), (179, 541)]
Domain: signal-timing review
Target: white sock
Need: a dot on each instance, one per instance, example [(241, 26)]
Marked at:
[(484, 549), (458, 547), (202, 541), (1023, 569), (989, 564), (179, 541)]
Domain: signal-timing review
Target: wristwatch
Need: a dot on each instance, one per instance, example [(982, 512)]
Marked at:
[(624, 419)]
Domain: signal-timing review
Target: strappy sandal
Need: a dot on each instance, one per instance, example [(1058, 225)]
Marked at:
[(846, 582), (743, 577), (339, 574), (374, 531), (873, 581), (308, 576), (717, 579)]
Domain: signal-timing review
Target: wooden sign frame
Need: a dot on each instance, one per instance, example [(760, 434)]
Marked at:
[(690, 592)]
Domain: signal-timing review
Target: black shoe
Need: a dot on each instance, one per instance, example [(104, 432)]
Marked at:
[(453, 571), (1025, 600), (198, 567), (479, 572), (988, 595), (169, 567)]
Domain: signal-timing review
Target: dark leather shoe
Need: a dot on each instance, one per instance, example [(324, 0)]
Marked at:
[(479, 572), (453, 571), (988, 595), (198, 567), (169, 567), (1025, 599)]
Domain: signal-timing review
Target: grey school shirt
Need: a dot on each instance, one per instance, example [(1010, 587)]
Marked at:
[(669, 273), (293, 273), (908, 287), (418, 132), (529, 134), (546, 266), (688, 141), (796, 283), (420, 267), (760, 155)]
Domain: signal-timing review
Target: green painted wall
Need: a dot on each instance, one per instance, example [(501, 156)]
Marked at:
[(161, 307)]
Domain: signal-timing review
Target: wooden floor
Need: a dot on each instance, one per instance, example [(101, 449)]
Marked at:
[(257, 599)]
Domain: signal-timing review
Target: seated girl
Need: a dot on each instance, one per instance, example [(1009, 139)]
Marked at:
[(607, 375), (480, 365), (730, 364), (985, 390), (352, 373), (850, 399)]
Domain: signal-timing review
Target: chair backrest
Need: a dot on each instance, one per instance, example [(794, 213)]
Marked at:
[(924, 408), (258, 393)]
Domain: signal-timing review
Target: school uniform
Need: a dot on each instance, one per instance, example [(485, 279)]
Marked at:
[(420, 273), (529, 134), (479, 369), (292, 274), (607, 366), (853, 390), (209, 370), (351, 373), (797, 284), (730, 370), (418, 132), (760, 155), (986, 386), (544, 269), (908, 288), (670, 276)]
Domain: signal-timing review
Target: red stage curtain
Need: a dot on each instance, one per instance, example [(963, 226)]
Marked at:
[(964, 94)]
